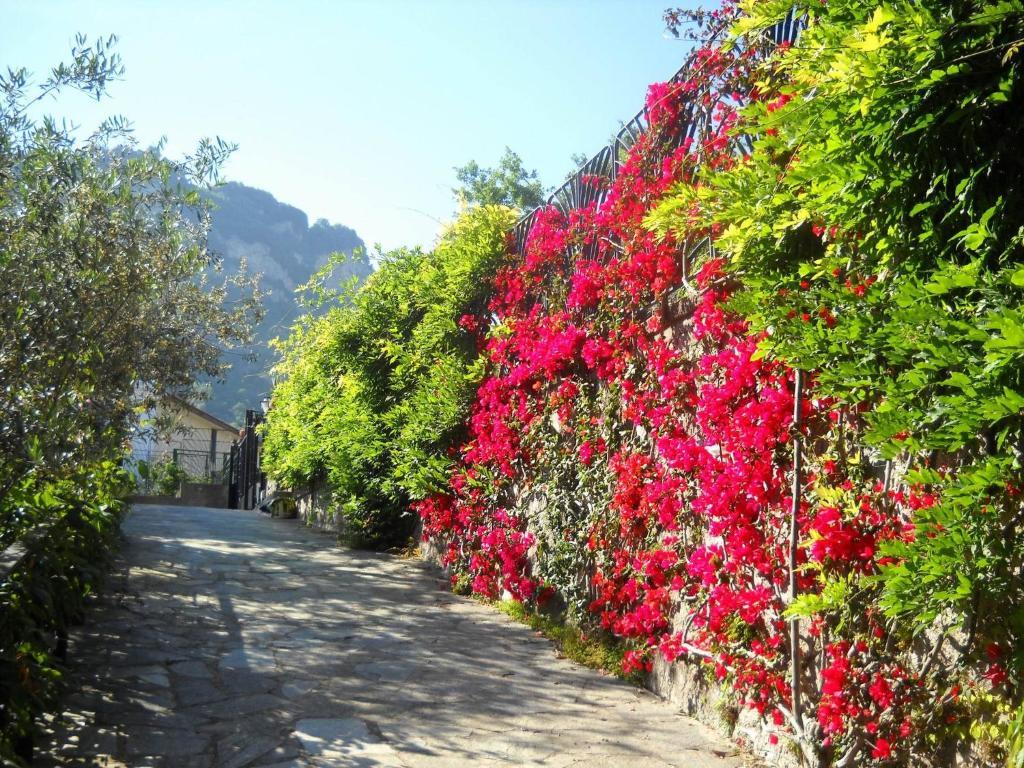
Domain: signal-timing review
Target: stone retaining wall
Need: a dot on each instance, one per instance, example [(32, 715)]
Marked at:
[(204, 495), (313, 503)]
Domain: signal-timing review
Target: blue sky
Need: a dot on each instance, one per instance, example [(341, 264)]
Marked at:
[(356, 111)]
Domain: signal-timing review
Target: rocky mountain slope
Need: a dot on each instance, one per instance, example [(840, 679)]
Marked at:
[(277, 240)]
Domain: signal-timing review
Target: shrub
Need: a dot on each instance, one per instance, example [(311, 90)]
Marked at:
[(372, 393)]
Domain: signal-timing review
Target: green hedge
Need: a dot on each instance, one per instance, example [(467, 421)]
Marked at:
[(373, 393)]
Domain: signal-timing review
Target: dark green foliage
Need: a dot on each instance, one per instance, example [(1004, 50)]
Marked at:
[(73, 527), (162, 477)]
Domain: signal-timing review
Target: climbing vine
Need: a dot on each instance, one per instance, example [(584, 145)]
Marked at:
[(631, 445), (755, 405)]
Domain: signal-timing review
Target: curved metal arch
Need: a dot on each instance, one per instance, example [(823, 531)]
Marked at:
[(588, 185)]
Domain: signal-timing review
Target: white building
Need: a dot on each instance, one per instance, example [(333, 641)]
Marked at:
[(198, 441)]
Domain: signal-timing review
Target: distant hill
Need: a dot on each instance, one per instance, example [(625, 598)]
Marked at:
[(278, 241)]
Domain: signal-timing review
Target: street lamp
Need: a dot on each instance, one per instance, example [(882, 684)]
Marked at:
[(265, 404)]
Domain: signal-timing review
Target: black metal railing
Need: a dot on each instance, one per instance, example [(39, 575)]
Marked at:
[(579, 191), (246, 480)]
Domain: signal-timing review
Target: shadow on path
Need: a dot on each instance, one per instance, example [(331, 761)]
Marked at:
[(230, 639)]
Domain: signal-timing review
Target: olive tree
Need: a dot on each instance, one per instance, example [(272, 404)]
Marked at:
[(109, 296)]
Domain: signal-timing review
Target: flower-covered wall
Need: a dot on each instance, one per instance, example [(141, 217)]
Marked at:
[(746, 399), (641, 450)]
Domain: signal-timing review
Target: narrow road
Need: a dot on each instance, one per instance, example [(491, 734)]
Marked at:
[(229, 639)]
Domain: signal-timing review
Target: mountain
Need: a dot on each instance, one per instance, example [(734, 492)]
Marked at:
[(277, 240)]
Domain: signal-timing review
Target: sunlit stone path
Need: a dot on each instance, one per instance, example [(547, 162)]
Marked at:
[(229, 639)]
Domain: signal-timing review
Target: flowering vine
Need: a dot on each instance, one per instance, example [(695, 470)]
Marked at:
[(630, 447)]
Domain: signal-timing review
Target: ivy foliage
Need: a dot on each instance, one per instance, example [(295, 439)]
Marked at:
[(372, 394)]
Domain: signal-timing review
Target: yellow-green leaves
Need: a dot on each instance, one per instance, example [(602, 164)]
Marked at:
[(887, 194), (882, 16), (872, 36), (373, 393)]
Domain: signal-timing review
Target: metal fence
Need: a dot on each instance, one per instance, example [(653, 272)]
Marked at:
[(247, 481), (190, 465), (580, 191), (202, 466)]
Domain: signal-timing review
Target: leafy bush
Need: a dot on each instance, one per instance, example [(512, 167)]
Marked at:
[(372, 394), (163, 476), (74, 524)]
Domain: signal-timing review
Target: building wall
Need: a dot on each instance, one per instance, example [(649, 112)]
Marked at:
[(193, 437)]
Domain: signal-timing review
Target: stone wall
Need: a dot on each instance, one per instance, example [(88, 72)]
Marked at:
[(313, 503), (189, 495), (204, 495), (688, 685)]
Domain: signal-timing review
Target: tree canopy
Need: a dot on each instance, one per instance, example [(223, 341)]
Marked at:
[(109, 289), (510, 183)]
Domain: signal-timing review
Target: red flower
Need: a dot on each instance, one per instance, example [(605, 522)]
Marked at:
[(586, 451), (882, 749), (996, 674)]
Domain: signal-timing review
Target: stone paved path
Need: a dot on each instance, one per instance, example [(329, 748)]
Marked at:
[(229, 639)]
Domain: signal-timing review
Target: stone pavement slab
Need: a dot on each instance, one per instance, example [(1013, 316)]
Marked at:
[(228, 639)]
